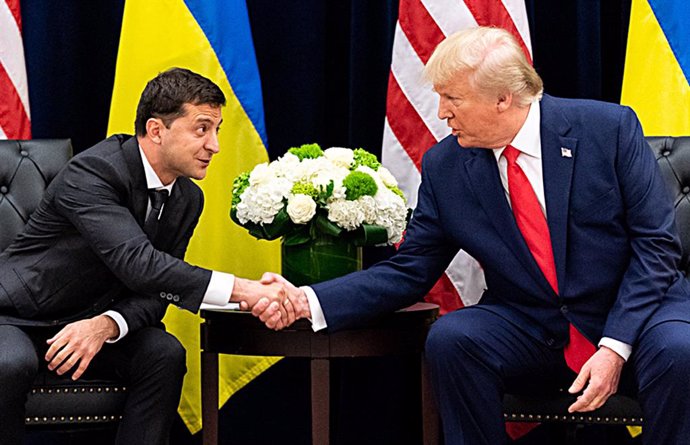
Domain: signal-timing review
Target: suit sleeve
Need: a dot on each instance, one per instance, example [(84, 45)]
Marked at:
[(140, 311), (398, 282), (93, 197), (654, 243)]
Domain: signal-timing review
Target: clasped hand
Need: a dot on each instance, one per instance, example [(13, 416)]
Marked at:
[(279, 302)]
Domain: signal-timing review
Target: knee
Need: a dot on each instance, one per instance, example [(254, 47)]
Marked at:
[(18, 370), (164, 351), (448, 338)]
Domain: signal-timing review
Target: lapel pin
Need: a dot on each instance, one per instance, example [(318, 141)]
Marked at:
[(566, 153)]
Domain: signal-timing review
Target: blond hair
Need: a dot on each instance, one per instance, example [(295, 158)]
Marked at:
[(493, 59)]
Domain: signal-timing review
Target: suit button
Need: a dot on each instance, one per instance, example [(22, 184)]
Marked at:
[(169, 296), (176, 298), (3, 189), (162, 294), (564, 309), (24, 153), (550, 341)]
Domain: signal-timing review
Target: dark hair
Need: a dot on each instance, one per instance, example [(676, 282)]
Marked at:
[(165, 95)]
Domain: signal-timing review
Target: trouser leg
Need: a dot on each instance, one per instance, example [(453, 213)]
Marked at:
[(18, 368), (474, 355), (662, 367), (152, 363)]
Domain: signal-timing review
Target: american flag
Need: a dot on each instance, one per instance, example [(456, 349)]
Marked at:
[(15, 118), (412, 125)]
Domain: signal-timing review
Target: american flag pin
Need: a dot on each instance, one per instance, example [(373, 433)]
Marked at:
[(566, 153)]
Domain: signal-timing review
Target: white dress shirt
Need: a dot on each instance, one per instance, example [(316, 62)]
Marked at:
[(219, 287)]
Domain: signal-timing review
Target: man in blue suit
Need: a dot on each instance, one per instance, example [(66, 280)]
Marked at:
[(562, 204)]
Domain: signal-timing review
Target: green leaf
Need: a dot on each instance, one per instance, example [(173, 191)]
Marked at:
[(297, 237), (369, 235), (323, 224)]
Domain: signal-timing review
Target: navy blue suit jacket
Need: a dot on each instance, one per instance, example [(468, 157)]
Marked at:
[(611, 222)]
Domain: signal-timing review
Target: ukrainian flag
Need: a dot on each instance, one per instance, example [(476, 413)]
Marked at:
[(656, 81), (212, 38)]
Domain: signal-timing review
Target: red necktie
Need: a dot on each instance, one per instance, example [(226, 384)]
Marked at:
[(532, 223)]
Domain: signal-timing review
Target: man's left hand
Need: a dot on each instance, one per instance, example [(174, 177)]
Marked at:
[(79, 342), (601, 373)]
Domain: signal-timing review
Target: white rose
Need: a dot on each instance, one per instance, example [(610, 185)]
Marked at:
[(261, 174), (342, 157), (387, 177), (301, 208)]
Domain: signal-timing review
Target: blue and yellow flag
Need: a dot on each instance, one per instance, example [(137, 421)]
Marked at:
[(212, 38), (656, 81)]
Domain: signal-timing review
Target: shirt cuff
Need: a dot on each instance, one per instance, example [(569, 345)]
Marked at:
[(318, 320), (120, 322), (219, 288), (620, 348)]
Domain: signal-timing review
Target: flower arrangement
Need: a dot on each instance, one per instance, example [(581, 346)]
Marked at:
[(338, 191)]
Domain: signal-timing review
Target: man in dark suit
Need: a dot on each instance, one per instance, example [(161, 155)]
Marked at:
[(85, 286), (562, 204)]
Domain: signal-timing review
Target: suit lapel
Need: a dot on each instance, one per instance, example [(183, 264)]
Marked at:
[(138, 188), (558, 155), (485, 181)]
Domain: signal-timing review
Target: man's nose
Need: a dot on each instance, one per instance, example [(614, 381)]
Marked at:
[(443, 111), (212, 144)]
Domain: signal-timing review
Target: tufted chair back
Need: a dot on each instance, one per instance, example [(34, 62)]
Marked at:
[(673, 157), (26, 169)]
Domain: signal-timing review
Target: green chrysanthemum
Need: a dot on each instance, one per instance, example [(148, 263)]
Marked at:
[(358, 184), (305, 188), (307, 151), (240, 183), (363, 157)]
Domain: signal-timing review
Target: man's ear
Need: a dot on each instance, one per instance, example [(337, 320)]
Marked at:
[(154, 126), (505, 100)]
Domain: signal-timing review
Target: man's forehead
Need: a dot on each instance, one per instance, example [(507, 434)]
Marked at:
[(203, 111)]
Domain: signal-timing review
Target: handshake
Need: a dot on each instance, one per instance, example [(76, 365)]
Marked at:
[(273, 299)]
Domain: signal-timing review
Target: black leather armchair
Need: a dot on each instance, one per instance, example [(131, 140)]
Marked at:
[(26, 169), (673, 156)]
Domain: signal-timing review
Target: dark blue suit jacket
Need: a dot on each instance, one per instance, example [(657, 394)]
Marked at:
[(612, 229)]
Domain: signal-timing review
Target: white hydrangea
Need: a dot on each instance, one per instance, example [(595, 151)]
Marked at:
[(301, 208), (261, 203), (285, 166), (346, 214), (369, 208), (339, 156), (391, 213)]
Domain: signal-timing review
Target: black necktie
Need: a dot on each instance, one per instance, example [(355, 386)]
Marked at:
[(158, 198)]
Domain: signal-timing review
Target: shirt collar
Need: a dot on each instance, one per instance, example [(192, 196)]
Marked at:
[(528, 139), (152, 179)]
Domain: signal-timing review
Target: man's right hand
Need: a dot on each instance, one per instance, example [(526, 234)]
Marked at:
[(296, 304), (270, 295)]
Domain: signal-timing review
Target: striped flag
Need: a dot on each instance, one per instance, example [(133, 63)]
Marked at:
[(15, 117), (212, 38), (412, 125), (656, 80)]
